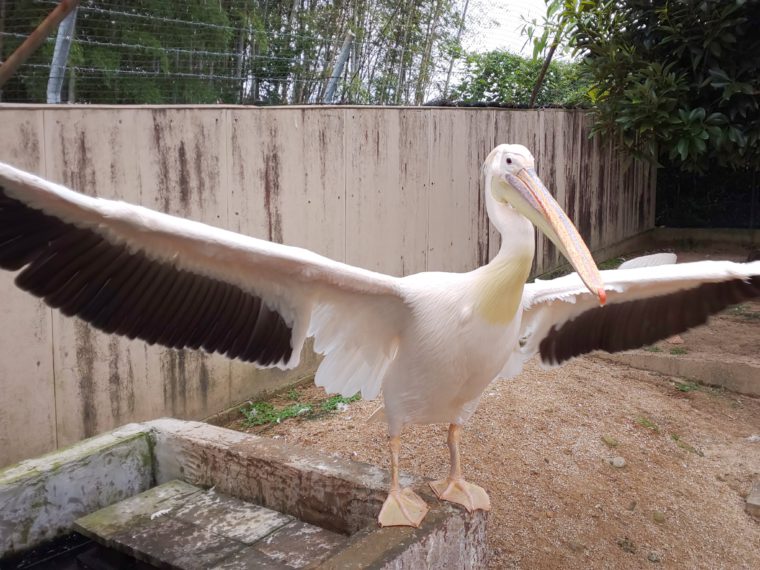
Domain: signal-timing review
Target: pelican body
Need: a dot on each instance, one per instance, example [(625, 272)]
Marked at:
[(430, 342)]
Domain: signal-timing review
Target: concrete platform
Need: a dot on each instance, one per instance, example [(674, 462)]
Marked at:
[(182, 526), (739, 377), (752, 505), (299, 493)]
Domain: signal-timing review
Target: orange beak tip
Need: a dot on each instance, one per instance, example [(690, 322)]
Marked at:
[(602, 296)]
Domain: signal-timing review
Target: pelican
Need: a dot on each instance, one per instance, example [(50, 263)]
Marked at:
[(430, 342)]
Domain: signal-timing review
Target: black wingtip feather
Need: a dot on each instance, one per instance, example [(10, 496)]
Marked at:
[(83, 274), (633, 324)]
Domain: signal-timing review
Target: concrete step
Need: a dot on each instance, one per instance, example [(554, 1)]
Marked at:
[(177, 525)]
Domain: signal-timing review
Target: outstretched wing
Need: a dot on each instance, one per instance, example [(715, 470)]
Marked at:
[(131, 271), (562, 319), (653, 260)]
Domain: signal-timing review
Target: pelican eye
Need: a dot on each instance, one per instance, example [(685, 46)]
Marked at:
[(509, 160)]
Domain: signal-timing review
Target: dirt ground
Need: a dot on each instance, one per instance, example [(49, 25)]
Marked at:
[(542, 445)]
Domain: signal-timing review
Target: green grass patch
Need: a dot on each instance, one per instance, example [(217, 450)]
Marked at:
[(566, 269), (686, 386), (653, 348), (742, 310), (265, 413), (610, 441), (678, 351), (262, 413), (685, 446), (332, 403), (613, 263), (647, 423)]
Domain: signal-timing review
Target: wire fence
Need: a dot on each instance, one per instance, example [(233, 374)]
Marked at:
[(258, 52)]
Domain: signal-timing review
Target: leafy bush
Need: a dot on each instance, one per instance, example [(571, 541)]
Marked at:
[(503, 77), (673, 78)]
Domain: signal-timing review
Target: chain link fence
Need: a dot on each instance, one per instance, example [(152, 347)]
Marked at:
[(258, 52)]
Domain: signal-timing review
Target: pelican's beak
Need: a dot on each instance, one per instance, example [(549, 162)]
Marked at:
[(540, 207)]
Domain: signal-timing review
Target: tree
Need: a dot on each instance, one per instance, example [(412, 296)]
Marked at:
[(242, 51), (504, 77), (675, 79)]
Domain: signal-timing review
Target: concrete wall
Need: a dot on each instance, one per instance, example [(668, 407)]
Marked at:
[(391, 189)]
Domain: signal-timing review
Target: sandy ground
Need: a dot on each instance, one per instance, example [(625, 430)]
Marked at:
[(537, 445)]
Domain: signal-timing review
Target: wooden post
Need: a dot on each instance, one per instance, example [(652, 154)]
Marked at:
[(35, 39)]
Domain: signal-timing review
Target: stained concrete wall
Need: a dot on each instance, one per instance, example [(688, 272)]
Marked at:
[(391, 189)]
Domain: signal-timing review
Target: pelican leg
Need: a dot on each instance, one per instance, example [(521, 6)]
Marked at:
[(403, 507), (454, 488)]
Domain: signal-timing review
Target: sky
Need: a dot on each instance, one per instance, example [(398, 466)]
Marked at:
[(496, 24)]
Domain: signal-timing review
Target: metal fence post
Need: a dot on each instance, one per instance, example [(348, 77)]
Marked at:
[(342, 57), (61, 57)]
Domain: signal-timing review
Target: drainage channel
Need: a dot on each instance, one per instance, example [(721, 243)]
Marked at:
[(72, 552)]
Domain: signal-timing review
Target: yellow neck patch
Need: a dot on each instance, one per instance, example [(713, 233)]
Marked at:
[(500, 288)]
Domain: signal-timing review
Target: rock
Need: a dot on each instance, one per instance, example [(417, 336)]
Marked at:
[(617, 462), (755, 438), (576, 546), (658, 517), (752, 505), (627, 545), (675, 340), (654, 557), (631, 506)]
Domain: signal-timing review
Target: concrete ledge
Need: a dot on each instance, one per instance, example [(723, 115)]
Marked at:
[(40, 498), (342, 496), (705, 237), (735, 376), (752, 505)]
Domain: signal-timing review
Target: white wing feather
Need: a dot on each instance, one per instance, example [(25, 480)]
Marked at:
[(354, 314), (652, 260), (549, 304)]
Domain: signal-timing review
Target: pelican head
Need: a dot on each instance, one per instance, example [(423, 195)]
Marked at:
[(511, 181)]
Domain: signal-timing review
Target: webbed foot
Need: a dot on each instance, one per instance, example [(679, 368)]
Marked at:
[(472, 497), (403, 507)]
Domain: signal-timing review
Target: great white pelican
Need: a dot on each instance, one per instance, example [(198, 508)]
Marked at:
[(430, 342)]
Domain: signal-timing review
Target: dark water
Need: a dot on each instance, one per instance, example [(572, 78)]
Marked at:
[(72, 552)]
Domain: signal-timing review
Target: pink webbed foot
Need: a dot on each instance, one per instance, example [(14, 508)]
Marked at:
[(403, 507), (472, 497)]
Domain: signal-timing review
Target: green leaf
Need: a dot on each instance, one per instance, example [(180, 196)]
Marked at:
[(683, 148)]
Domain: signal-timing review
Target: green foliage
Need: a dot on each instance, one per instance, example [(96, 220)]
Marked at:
[(262, 413), (265, 413), (504, 77), (742, 310), (610, 441), (613, 263), (332, 403), (240, 51), (145, 73), (676, 79), (685, 446), (647, 423)]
